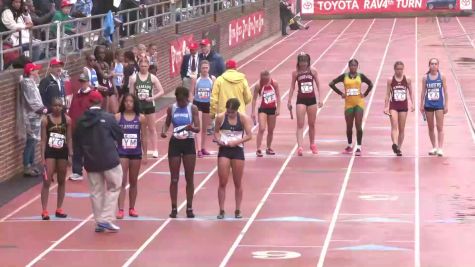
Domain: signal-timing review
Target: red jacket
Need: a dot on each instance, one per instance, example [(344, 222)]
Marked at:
[(79, 104)]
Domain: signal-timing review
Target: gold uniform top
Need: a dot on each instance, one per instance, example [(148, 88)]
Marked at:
[(354, 96), (352, 86)]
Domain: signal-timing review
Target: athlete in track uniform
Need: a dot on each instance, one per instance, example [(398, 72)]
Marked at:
[(354, 102), (268, 110), (202, 88), (307, 78), (399, 89), (56, 149), (186, 122), (147, 88), (434, 103), (232, 130), (130, 149)]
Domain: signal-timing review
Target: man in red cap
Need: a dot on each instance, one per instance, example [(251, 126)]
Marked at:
[(97, 133), (232, 84), (215, 59), (30, 108), (190, 65), (52, 86)]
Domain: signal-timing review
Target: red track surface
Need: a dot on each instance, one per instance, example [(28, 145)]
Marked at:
[(318, 210)]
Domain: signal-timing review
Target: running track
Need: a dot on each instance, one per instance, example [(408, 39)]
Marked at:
[(318, 210)]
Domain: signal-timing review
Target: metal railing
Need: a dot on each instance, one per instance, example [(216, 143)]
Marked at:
[(56, 40)]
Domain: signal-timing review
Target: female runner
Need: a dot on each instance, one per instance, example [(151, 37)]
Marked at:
[(397, 105), (434, 103), (354, 102), (186, 121), (56, 149), (202, 87), (130, 150), (306, 76), (269, 109), (229, 133), (147, 88)]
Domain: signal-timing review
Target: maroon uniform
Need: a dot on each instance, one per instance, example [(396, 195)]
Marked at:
[(399, 93), (306, 88)]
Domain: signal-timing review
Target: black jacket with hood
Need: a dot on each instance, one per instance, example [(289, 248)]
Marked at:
[(97, 135)]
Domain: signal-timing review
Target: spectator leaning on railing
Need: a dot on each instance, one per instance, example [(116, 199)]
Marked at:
[(64, 15), (16, 18)]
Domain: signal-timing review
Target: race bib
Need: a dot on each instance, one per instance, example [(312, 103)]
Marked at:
[(306, 87), (142, 94), (203, 93), (56, 140), (129, 141), (399, 95), (228, 137), (352, 92), (433, 94), (180, 132), (269, 97)]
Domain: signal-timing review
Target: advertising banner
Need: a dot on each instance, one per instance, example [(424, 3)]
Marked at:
[(322, 7), (245, 28), (178, 48)]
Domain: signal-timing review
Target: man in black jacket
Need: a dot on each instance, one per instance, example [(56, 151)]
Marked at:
[(215, 60), (190, 66), (285, 15), (52, 86), (97, 134)]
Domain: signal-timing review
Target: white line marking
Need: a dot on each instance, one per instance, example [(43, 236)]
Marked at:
[(279, 246), (279, 174), (164, 224), (331, 228), (417, 234), (156, 121), (93, 250)]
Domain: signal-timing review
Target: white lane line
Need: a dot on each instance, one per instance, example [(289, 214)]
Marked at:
[(417, 234), (284, 166), (331, 228)]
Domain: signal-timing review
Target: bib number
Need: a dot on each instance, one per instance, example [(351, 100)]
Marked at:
[(180, 132), (399, 95), (352, 92), (129, 141), (142, 94), (56, 140), (269, 97), (203, 93), (306, 87), (433, 94)]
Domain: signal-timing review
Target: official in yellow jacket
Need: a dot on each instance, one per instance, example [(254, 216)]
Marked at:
[(232, 84)]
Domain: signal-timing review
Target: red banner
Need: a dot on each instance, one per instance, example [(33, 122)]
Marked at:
[(245, 28), (321, 7), (178, 48)]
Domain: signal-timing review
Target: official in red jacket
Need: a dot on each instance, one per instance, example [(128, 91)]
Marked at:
[(81, 103)]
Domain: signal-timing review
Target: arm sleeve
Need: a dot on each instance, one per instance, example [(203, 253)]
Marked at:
[(9, 21), (214, 98), (339, 79)]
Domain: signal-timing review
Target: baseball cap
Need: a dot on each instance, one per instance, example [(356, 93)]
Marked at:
[(65, 3), (205, 42), (31, 67), (231, 64), (95, 96), (83, 77), (193, 46), (55, 62)]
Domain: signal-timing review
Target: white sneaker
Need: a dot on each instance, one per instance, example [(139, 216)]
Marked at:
[(433, 152), (440, 153), (155, 154), (76, 177), (107, 226)]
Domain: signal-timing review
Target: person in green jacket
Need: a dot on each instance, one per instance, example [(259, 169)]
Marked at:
[(64, 15)]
